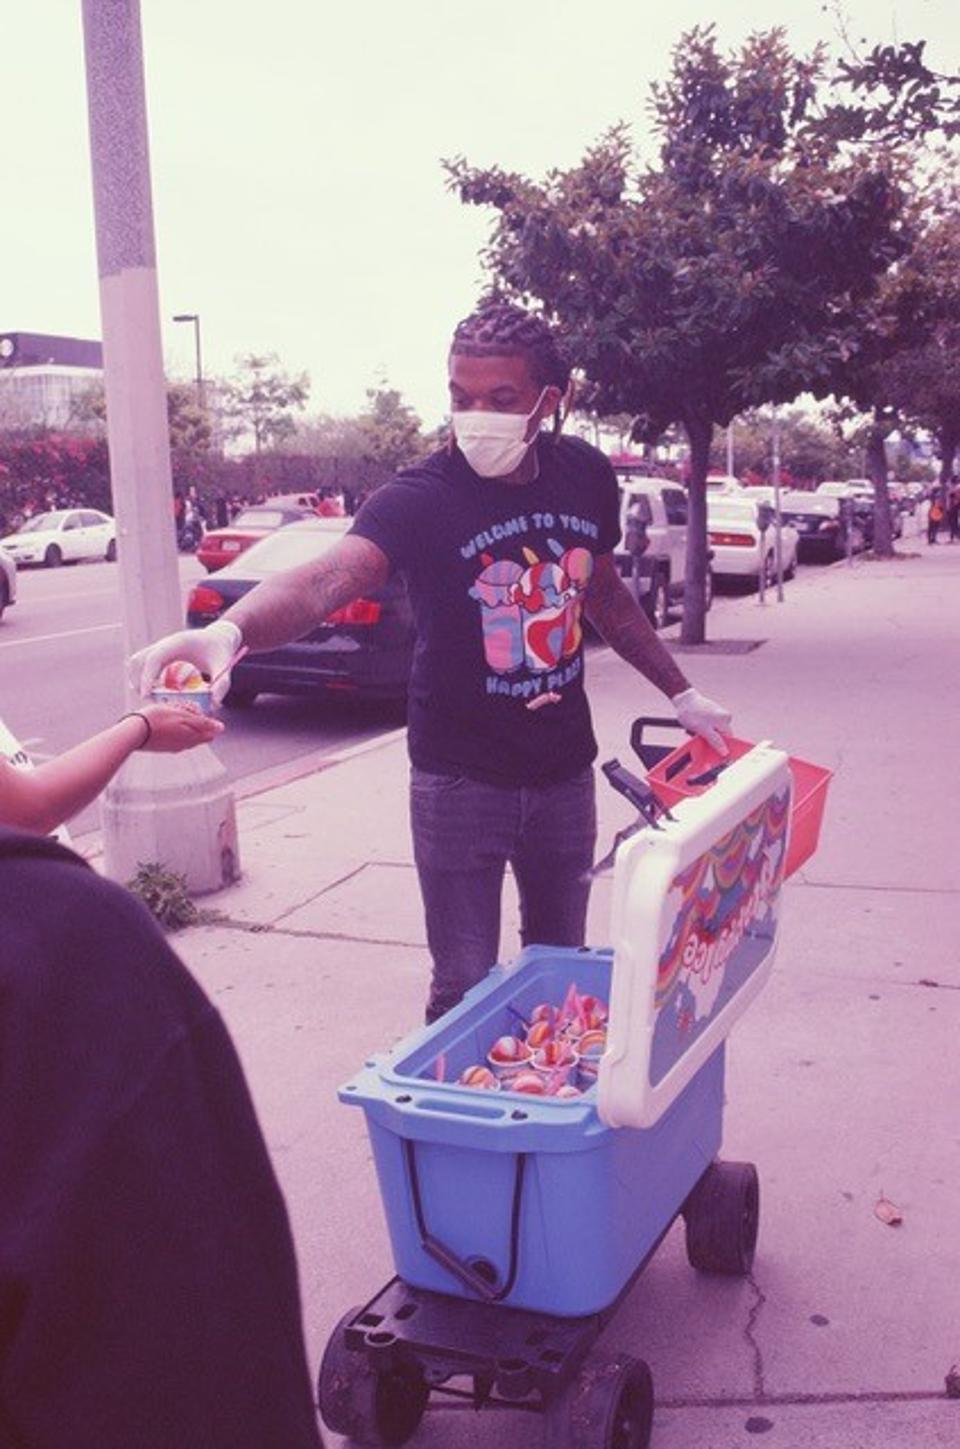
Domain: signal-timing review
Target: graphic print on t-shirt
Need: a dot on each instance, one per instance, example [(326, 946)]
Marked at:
[(530, 614)]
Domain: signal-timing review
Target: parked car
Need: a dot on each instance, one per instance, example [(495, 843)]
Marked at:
[(652, 554), (8, 581), (724, 483), (822, 525), (64, 535), (364, 649), (862, 496), (740, 548), (222, 545)]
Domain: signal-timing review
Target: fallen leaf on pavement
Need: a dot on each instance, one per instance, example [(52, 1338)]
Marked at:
[(888, 1212)]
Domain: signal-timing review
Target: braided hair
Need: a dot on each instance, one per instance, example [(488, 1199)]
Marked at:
[(500, 329)]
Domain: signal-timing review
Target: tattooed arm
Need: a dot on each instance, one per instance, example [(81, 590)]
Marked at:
[(290, 604), (619, 619)]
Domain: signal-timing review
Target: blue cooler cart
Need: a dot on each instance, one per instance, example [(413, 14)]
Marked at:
[(519, 1222)]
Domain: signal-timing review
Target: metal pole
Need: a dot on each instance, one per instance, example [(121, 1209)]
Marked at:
[(194, 317), (175, 810), (777, 518), (196, 329)]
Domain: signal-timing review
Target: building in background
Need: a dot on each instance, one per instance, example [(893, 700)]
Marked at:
[(44, 380)]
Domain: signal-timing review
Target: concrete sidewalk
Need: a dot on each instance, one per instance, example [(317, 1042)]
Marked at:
[(845, 1076)]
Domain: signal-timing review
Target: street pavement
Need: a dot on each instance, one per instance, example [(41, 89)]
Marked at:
[(62, 641), (844, 1080)]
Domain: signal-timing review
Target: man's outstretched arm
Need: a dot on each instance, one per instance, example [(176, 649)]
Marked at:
[(277, 611), (619, 619), (290, 604)]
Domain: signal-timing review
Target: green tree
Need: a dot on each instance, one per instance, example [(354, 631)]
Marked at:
[(262, 398), (731, 275), (389, 429)]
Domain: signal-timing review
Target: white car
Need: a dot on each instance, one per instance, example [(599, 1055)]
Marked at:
[(740, 550), (8, 581), (63, 536), (652, 554), (724, 483)]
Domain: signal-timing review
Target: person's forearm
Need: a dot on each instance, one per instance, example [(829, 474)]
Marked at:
[(290, 604), (620, 621), (43, 798)]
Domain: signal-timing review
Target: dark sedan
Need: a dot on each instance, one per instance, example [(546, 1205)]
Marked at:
[(364, 649), (222, 545), (821, 525)]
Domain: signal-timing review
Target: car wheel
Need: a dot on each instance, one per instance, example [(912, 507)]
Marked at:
[(791, 572), (4, 596), (111, 553), (657, 602), (53, 558)]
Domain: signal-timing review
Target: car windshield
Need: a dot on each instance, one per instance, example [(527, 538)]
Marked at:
[(258, 518), (42, 521), (295, 544)]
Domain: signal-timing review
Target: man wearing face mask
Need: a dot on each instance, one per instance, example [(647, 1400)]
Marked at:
[(505, 537)]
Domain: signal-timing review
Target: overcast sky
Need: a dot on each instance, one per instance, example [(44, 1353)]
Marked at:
[(299, 200)]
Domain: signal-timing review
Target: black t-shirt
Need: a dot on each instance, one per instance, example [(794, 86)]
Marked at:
[(148, 1287), (497, 574)]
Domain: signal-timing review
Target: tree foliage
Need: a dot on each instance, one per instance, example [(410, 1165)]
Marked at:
[(390, 429), (262, 398), (732, 274)]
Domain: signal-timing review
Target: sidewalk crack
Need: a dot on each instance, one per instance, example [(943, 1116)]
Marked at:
[(749, 1333)]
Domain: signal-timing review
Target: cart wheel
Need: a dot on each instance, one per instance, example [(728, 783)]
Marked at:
[(609, 1405), (722, 1217), (366, 1405)]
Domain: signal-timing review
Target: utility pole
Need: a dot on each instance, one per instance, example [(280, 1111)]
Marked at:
[(175, 810), (777, 516)]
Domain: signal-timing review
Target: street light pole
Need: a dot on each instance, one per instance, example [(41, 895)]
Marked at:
[(194, 317), (175, 810)]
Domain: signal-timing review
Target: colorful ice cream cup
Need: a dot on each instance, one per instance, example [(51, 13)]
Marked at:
[(480, 1077), (592, 1046), (556, 1061), (181, 682), (507, 1056)]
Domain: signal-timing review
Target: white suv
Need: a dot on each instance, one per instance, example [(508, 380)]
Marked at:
[(653, 550)]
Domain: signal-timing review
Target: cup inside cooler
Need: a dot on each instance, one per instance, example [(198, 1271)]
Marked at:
[(463, 1038)]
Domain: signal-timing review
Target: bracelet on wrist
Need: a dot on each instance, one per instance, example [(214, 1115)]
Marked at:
[(139, 714)]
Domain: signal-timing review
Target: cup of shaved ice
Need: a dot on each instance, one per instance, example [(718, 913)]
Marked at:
[(181, 682)]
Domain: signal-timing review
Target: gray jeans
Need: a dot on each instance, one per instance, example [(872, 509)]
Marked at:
[(464, 834)]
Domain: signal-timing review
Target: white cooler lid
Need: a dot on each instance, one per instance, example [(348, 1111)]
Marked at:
[(695, 917)]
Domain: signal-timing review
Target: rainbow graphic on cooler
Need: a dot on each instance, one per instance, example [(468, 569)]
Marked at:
[(531, 616), (723, 912)]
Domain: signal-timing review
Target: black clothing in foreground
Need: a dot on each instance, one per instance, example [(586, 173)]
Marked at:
[(497, 574), (148, 1287)]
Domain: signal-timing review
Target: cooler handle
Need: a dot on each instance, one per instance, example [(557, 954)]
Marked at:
[(652, 754), (445, 1256)]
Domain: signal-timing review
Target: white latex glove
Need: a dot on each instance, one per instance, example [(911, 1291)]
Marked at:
[(702, 716), (211, 649)]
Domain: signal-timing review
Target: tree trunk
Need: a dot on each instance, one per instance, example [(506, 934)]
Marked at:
[(877, 473), (694, 630)]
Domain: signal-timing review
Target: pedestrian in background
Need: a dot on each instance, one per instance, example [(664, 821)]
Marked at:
[(953, 510), (935, 516)]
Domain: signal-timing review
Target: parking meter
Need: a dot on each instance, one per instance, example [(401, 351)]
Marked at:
[(764, 520)]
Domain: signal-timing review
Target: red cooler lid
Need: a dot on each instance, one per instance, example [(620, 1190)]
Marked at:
[(696, 908)]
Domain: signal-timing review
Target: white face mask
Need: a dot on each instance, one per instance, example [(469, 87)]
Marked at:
[(494, 444)]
